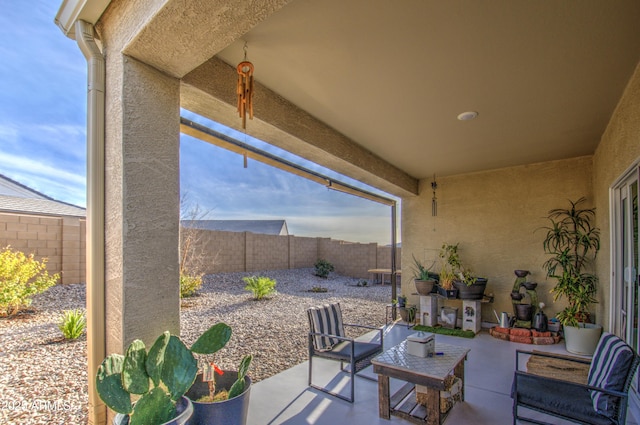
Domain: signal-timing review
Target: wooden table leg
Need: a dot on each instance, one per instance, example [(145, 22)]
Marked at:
[(383, 397), (458, 371), (433, 406)]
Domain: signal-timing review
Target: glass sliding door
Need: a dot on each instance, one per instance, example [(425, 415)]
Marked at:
[(625, 256)]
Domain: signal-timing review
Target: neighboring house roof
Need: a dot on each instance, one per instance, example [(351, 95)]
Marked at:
[(14, 204), (268, 227), (18, 198), (11, 187)]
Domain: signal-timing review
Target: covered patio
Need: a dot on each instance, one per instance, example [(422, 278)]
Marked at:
[(495, 112), (488, 374)]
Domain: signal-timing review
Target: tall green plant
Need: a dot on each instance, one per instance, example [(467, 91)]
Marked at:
[(573, 242), (21, 277)]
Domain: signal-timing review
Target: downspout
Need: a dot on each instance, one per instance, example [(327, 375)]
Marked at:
[(95, 213)]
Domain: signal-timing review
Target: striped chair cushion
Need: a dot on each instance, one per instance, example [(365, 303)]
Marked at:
[(609, 369), (326, 319)]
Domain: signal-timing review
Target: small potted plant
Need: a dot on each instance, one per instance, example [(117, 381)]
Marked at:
[(573, 243), (424, 279), (469, 286), (448, 265), (148, 387)]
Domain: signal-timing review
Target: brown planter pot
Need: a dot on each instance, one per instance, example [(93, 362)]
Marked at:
[(424, 287)]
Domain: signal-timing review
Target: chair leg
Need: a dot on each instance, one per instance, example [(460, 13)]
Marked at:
[(310, 369)]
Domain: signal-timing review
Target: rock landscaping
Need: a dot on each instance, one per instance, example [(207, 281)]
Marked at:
[(43, 378)]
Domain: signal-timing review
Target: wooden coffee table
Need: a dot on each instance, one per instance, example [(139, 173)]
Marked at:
[(429, 372)]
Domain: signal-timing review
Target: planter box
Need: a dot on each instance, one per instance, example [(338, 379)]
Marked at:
[(475, 291)]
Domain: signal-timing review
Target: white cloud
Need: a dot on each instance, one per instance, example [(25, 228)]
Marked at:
[(32, 167)]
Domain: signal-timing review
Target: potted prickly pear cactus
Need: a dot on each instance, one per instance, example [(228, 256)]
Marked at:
[(221, 396), (148, 387)]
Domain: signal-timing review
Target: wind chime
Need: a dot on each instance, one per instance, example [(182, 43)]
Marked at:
[(434, 200), (245, 89)]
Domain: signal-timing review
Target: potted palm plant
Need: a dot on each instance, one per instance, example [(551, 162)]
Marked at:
[(573, 242)]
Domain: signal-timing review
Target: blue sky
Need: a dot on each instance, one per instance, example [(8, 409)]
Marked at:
[(42, 142)]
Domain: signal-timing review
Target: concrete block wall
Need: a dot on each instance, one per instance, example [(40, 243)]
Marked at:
[(61, 240), (304, 253), (266, 252), (249, 252)]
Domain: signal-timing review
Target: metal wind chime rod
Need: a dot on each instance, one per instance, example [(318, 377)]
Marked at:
[(244, 89), (434, 200)]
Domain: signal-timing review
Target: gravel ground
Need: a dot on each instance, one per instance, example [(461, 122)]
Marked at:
[(43, 378)]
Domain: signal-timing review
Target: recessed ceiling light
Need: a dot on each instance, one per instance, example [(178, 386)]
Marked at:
[(467, 116)]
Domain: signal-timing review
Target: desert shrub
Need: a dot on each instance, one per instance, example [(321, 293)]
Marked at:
[(260, 286), (72, 324), (189, 284), (323, 268), (21, 277)]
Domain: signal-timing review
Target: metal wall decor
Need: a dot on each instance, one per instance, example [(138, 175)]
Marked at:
[(244, 89)]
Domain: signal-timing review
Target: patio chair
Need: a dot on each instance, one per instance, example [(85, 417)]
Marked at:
[(327, 339), (601, 401)]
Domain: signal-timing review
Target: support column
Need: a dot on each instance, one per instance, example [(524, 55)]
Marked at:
[(142, 208)]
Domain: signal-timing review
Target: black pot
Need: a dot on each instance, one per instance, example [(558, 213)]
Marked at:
[(228, 412), (448, 293), (185, 412), (524, 312), (516, 296), (475, 291), (529, 285)]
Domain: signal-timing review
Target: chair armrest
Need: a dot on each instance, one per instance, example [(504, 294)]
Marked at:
[(362, 326), (551, 381), (340, 338), (374, 328), (551, 356)]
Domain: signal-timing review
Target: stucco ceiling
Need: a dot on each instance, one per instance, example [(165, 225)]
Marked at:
[(392, 76)]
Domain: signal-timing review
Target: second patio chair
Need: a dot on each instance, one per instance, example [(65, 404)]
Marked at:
[(327, 339)]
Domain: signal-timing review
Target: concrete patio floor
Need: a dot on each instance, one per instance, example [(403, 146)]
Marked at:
[(286, 399)]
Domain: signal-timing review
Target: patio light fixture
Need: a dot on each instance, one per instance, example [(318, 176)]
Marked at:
[(244, 89)]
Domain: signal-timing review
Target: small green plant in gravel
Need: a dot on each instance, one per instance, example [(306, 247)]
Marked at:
[(323, 268), (72, 324), (260, 286), (21, 277), (319, 289), (189, 284)]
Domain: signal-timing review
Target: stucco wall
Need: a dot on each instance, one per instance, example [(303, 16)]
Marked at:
[(61, 240), (494, 215), (617, 151)]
